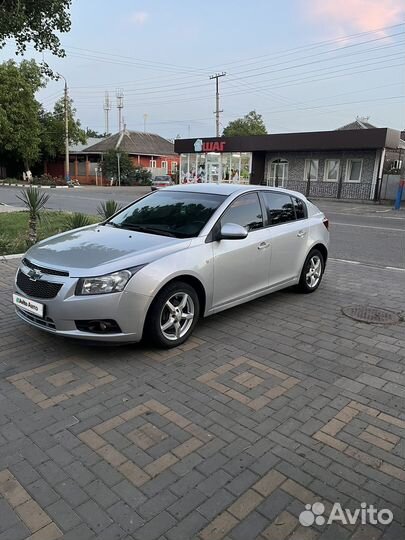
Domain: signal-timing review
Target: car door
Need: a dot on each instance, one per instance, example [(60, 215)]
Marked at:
[(289, 228), (241, 267)]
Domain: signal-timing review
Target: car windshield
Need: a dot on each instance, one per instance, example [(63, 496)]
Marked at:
[(171, 213)]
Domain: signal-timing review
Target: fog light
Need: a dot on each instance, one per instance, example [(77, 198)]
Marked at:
[(98, 326)]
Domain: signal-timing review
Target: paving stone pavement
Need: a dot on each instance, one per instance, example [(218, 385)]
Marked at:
[(271, 406)]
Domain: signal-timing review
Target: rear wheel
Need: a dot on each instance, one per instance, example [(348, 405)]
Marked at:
[(172, 315), (312, 272)]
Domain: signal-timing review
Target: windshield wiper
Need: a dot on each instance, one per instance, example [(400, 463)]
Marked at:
[(151, 230), (112, 224)]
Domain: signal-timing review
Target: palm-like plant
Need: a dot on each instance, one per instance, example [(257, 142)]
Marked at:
[(34, 201), (108, 209), (76, 220)]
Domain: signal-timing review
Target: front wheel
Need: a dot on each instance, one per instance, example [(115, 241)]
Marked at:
[(172, 315), (312, 272)]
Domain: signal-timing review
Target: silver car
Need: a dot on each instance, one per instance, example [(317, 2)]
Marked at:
[(161, 181), (169, 258)]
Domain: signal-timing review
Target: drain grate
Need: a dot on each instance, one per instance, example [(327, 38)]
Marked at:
[(370, 314)]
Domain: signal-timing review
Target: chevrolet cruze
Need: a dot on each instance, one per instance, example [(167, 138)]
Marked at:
[(167, 259)]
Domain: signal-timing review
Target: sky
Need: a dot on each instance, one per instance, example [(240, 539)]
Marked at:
[(305, 65)]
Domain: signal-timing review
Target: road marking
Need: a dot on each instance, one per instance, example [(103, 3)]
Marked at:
[(379, 267), (366, 226), (365, 215), (345, 261)]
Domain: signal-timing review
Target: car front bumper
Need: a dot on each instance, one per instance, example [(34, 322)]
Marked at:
[(128, 309)]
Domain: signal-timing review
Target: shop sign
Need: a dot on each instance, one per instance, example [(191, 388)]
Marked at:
[(211, 146)]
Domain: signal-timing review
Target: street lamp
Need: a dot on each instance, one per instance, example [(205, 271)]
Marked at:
[(66, 103)]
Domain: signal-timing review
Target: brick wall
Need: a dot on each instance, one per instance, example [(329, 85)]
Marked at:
[(322, 188)]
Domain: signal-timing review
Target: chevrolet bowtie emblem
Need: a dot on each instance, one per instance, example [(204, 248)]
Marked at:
[(34, 275)]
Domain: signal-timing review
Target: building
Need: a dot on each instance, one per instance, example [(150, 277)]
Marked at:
[(347, 163), (147, 150)]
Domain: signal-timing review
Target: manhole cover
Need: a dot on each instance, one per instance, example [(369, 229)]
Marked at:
[(370, 314)]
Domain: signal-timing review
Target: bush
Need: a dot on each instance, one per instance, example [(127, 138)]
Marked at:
[(139, 176), (77, 220), (44, 180), (10, 181), (5, 244)]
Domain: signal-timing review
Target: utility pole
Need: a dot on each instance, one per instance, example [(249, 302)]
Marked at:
[(119, 168), (66, 107), (217, 110), (120, 106), (145, 117), (107, 109)]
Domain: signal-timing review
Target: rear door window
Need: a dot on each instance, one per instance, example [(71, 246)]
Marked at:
[(300, 208), (280, 208)]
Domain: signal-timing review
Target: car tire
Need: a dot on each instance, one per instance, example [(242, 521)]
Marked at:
[(312, 272), (169, 327)]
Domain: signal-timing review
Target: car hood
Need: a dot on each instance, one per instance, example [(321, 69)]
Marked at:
[(99, 249)]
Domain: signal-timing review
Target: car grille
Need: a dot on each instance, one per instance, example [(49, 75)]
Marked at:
[(47, 322), (49, 271), (37, 289)]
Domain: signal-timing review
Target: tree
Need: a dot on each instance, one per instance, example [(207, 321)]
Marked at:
[(251, 124), (110, 165), (53, 129), (34, 21), (20, 129), (95, 134)]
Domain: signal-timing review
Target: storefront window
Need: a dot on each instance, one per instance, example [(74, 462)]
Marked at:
[(216, 167)]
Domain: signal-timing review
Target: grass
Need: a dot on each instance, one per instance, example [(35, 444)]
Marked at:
[(14, 229)]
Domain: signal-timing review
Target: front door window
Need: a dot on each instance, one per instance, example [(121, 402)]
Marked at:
[(278, 173)]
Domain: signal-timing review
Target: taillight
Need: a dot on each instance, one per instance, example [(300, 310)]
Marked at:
[(325, 221)]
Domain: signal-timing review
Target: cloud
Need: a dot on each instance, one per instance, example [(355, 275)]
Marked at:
[(139, 17), (355, 15)]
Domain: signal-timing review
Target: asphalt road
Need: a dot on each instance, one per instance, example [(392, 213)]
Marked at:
[(363, 233)]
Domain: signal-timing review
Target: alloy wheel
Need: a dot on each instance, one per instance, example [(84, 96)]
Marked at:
[(314, 271), (177, 316)]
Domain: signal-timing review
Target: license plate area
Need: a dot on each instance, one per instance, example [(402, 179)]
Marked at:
[(36, 308)]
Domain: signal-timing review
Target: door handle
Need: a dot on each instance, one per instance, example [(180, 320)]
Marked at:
[(263, 245), (301, 234)]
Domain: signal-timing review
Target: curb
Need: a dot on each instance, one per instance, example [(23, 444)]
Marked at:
[(12, 256), (38, 186)]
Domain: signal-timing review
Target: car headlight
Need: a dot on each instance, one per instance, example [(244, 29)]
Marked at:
[(109, 283)]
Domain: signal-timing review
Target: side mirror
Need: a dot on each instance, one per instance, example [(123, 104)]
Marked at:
[(232, 231)]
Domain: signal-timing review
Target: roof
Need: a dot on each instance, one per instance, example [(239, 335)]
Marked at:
[(314, 141), (359, 123), (80, 147), (224, 189), (134, 142)]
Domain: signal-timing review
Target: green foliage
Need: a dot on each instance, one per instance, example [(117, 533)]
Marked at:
[(53, 129), (108, 209), (20, 130), (34, 201), (14, 226), (251, 124), (139, 176), (34, 21), (95, 134), (110, 165), (5, 244), (10, 181), (76, 220)]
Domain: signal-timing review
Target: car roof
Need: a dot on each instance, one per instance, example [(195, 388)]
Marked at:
[(228, 189)]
